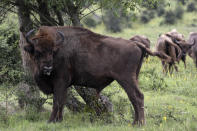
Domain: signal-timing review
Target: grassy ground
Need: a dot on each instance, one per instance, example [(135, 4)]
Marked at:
[(170, 100)]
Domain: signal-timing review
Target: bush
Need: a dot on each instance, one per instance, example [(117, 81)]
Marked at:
[(10, 65), (183, 2), (117, 20), (170, 17), (144, 19), (3, 117), (179, 12), (147, 16), (191, 7), (31, 114), (92, 21), (160, 11), (152, 80), (112, 22)]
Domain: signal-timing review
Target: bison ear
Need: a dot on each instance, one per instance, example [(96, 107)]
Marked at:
[(29, 49), (192, 43)]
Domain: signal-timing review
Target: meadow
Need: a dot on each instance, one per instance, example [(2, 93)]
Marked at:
[(170, 99)]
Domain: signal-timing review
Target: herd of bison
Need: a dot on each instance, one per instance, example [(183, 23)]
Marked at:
[(65, 56)]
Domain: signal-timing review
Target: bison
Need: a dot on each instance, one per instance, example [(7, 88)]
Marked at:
[(193, 50), (142, 39), (173, 45), (65, 56)]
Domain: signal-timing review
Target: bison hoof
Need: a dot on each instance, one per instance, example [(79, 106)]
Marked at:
[(139, 123), (54, 120)]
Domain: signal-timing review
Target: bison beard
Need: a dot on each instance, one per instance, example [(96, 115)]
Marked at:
[(80, 57)]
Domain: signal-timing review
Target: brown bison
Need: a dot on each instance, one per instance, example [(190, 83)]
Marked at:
[(193, 50), (142, 39), (173, 45), (66, 56)]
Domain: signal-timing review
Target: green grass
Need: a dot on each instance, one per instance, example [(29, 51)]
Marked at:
[(170, 100), (177, 103)]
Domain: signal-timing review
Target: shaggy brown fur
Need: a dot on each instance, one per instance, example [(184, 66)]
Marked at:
[(66, 56), (173, 45), (142, 39)]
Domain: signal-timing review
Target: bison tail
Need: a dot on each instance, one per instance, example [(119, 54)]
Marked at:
[(162, 56), (159, 54)]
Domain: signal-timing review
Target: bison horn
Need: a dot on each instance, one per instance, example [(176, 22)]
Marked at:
[(62, 38), (192, 43), (27, 36), (176, 41)]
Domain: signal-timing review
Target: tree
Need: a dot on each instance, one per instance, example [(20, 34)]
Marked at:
[(34, 13)]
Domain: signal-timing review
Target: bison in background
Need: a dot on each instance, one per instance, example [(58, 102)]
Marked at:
[(65, 56), (142, 39), (193, 50), (173, 45)]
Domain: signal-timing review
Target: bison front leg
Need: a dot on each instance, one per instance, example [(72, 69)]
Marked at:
[(59, 99)]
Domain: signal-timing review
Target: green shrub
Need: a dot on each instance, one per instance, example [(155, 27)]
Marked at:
[(92, 21), (191, 7), (32, 114), (183, 2), (179, 11), (160, 11), (170, 17), (10, 65), (147, 15), (3, 117), (112, 22), (151, 80)]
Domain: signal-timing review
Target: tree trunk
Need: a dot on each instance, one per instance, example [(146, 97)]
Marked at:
[(31, 95), (45, 17)]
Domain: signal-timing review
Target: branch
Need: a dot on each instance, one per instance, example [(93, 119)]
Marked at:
[(59, 16), (90, 12), (36, 10), (35, 18)]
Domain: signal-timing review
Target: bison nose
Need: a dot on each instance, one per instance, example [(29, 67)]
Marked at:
[(48, 67), (48, 70)]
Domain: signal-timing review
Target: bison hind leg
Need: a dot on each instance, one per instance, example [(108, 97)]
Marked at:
[(165, 66), (184, 59), (176, 68), (136, 97)]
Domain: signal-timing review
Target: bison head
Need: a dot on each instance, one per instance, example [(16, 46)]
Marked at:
[(42, 48), (184, 45), (180, 41)]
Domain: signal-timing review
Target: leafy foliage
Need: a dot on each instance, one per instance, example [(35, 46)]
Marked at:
[(10, 66), (170, 17), (153, 80), (179, 11), (147, 15), (191, 7)]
